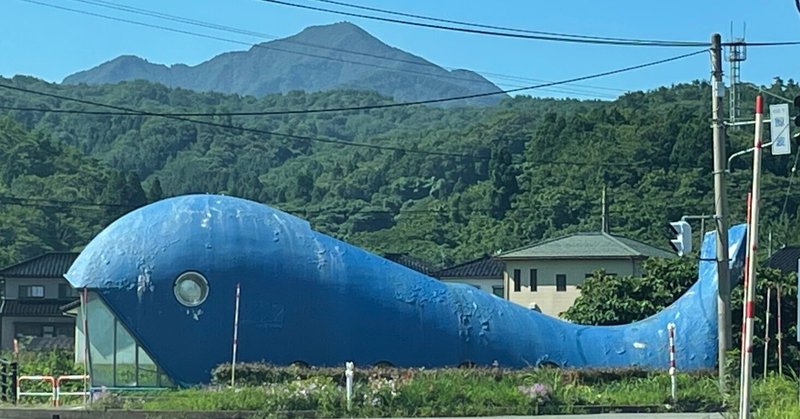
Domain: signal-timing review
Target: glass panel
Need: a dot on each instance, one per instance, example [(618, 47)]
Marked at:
[(126, 358), (561, 282), (498, 291), (116, 358), (101, 343), (164, 380), (148, 372)]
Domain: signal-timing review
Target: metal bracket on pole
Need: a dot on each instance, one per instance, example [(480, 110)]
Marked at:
[(700, 217), (740, 123), (742, 153)]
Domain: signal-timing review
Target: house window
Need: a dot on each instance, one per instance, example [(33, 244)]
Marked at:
[(22, 330), (65, 291), (534, 280), (31, 291), (48, 331), (561, 282), (498, 290), (517, 280)]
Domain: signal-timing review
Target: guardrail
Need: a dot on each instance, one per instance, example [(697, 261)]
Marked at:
[(47, 378), (55, 392), (59, 393)]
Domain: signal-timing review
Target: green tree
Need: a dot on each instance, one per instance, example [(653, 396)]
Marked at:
[(610, 300)]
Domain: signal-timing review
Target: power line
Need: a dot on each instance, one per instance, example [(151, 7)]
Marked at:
[(502, 28), (498, 33), (130, 111), (248, 44), (261, 46), (34, 202), (577, 38), (242, 129), (387, 105), (260, 35)]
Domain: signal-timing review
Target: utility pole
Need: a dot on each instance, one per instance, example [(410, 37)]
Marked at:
[(721, 209)]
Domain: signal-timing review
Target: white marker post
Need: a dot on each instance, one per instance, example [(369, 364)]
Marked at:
[(84, 313), (672, 367), (235, 337), (348, 373)]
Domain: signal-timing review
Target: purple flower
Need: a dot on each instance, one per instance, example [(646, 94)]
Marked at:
[(538, 392)]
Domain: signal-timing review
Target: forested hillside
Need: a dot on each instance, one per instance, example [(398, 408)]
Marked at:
[(441, 184)]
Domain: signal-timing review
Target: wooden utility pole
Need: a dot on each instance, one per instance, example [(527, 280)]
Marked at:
[(721, 208)]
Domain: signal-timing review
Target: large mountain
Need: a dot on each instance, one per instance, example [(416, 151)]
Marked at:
[(337, 56)]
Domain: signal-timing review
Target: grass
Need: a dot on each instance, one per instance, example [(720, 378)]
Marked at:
[(388, 392)]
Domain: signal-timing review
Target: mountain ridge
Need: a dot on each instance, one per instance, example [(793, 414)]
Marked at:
[(319, 58)]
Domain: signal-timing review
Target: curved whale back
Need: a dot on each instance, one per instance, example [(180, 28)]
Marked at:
[(310, 298)]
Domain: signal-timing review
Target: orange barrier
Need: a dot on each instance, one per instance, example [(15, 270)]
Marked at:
[(47, 378), (58, 393)]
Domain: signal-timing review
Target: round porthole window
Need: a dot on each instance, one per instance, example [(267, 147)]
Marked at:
[(191, 289)]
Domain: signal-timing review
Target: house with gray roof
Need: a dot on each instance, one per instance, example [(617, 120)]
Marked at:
[(786, 259), (33, 292), (485, 273), (548, 274), (411, 262)]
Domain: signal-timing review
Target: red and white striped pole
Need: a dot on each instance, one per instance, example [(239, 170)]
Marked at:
[(779, 334), (750, 290), (672, 366), (235, 337), (746, 282)]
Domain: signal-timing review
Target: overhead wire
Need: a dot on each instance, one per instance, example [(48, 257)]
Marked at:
[(641, 43), (485, 26), (402, 104), (34, 202), (248, 44), (239, 128), (566, 38), (260, 35), (272, 47)]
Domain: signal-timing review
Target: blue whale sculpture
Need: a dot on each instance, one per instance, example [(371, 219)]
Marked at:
[(168, 273)]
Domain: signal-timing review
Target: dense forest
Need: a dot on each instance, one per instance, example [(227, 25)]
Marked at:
[(443, 184)]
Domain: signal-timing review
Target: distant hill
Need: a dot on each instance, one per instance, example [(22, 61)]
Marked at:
[(337, 56)]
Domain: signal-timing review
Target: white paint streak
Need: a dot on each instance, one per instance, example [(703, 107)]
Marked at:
[(639, 345), (143, 284)]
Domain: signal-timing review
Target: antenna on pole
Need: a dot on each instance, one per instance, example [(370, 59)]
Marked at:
[(737, 53)]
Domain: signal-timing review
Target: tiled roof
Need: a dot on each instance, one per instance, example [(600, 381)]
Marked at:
[(70, 306), (22, 308), (409, 261), (785, 259), (484, 267), (48, 265), (39, 343), (586, 245)]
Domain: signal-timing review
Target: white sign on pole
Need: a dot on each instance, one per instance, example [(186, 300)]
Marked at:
[(779, 129)]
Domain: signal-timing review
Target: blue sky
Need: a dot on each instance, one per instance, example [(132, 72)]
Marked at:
[(50, 44)]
